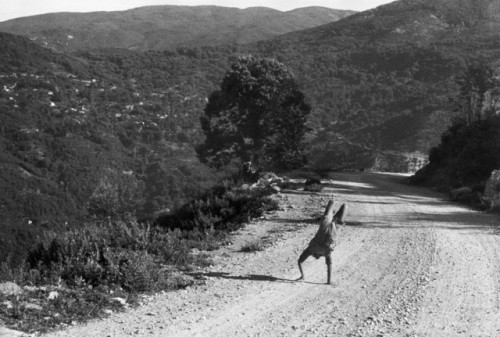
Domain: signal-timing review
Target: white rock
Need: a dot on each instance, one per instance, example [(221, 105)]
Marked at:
[(10, 288), (53, 295), (276, 188), (8, 304), (120, 300)]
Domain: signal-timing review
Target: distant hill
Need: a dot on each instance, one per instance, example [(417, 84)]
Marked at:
[(166, 27), (383, 78)]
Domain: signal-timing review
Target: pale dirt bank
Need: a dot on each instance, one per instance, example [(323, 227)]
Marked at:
[(408, 264)]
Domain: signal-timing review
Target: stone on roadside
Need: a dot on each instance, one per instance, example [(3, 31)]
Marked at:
[(275, 188)]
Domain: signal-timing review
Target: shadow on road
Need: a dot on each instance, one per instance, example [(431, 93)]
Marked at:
[(298, 221), (463, 223), (249, 277)]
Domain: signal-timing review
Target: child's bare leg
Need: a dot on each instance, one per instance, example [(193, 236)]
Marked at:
[(301, 272), (302, 258), (328, 259)]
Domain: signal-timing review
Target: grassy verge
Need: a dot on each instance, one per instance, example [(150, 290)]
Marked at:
[(104, 266)]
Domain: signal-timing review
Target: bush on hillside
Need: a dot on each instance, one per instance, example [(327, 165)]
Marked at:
[(122, 257), (127, 254), (225, 208), (122, 253), (466, 156)]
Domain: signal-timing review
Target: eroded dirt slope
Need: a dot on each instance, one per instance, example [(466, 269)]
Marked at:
[(408, 264)]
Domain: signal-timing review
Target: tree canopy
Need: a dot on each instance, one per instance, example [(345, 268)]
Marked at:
[(258, 116), (479, 92)]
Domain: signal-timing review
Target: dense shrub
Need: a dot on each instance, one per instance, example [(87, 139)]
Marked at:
[(225, 208), (124, 254), (466, 156), (131, 255)]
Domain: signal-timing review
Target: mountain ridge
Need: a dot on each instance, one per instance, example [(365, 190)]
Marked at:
[(165, 27)]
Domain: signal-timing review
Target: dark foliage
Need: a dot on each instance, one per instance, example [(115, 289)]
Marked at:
[(313, 185), (470, 149), (257, 116), (84, 141), (466, 156), (225, 208), (479, 92), (105, 259), (312, 181), (119, 252)]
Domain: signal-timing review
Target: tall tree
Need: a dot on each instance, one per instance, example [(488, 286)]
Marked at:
[(258, 116), (478, 92)]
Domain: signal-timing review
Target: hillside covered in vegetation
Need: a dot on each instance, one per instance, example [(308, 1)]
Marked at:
[(78, 126), (379, 81), (80, 142), (470, 149), (383, 78)]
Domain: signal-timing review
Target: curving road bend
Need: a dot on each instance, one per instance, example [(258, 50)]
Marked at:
[(408, 263)]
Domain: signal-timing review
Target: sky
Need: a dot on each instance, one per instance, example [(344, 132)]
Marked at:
[(11, 9)]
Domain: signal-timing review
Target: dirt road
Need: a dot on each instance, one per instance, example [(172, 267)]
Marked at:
[(408, 264)]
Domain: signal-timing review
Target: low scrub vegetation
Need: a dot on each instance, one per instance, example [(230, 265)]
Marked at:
[(254, 246), (224, 208), (35, 310), (89, 267)]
